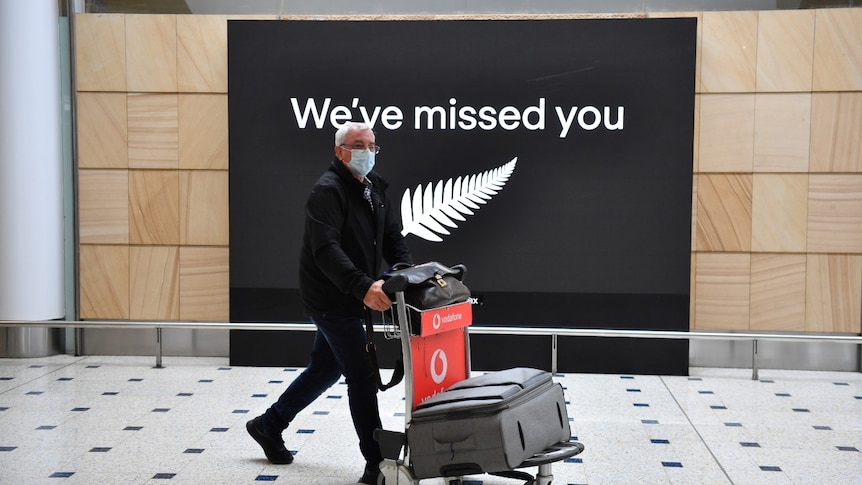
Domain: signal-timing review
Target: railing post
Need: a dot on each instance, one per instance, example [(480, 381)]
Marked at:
[(553, 353), (754, 371), (159, 349)]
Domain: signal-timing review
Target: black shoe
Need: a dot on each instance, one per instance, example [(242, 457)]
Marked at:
[(370, 476), (273, 446)]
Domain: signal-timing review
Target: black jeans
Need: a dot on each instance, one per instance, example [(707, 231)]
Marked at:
[(339, 349)]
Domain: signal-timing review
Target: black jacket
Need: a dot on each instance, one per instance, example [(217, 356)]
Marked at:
[(345, 244)]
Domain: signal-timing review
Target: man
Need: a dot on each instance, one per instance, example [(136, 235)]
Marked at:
[(350, 228)]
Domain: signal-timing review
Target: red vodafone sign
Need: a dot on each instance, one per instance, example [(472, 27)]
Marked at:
[(440, 352)]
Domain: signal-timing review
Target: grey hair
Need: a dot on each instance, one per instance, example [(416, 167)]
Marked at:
[(342, 132)]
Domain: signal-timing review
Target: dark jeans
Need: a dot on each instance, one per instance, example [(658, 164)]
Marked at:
[(339, 348)]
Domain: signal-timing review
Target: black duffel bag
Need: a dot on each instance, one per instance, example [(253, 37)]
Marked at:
[(428, 285)]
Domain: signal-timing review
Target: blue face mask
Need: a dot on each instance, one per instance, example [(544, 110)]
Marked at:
[(361, 161)]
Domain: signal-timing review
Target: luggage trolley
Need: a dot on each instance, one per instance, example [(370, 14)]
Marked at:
[(436, 356)]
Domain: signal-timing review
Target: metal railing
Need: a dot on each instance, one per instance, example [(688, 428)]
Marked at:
[(553, 332)]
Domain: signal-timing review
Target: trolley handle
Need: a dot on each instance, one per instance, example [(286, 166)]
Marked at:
[(395, 284)]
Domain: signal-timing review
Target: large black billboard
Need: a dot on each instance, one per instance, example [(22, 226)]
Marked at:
[(552, 157)]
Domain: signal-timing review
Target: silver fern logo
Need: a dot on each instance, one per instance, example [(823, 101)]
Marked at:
[(428, 213)]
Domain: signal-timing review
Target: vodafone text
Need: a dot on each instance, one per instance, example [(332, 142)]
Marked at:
[(457, 117)]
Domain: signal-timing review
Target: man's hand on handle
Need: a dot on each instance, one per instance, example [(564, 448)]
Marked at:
[(375, 298)]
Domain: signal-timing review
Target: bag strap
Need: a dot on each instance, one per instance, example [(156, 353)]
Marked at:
[(371, 348)]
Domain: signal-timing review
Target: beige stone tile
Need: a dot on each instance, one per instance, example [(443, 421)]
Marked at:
[(204, 284), (154, 207), (204, 208), (153, 131), (834, 293), (723, 293), (692, 290), (203, 131), (151, 47), (104, 282), (778, 292), (837, 50), (103, 135), (694, 212), (100, 52), (782, 127), (154, 283), (785, 50), (724, 212), (835, 213), (729, 52), (103, 206), (202, 53), (726, 142), (696, 144), (779, 213), (836, 132)]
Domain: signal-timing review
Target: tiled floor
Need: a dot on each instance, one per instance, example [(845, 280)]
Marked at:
[(119, 420)]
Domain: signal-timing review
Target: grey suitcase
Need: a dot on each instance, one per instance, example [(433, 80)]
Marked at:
[(486, 424)]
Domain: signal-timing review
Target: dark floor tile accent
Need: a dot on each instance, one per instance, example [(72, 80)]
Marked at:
[(110, 393), (35, 393), (36, 366), (164, 476), (6, 378), (767, 381), (705, 392), (695, 378), (671, 464), (219, 430), (823, 428), (641, 405), (400, 414), (136, 379), (92, 367), (627, 377), (258, 395), (733, 425), (194, 451), (749, 444), (185, 394), (321, 413), (715, 406), (771, 468), (782, 394), (66, 379), (801, 410), (224, 368), (275, 382), (46, 427), (841, 383), (333, 397), (659, 441), (574, 438), (100, 449), (847, 448), (80, 409), (240, 411), (133, 428), (161, 410), (573, 460), (206, 381), (266, 478), (305, 431), (633, 390), (649, 421), (290, 370), (61, 474), (4, 408), (7, 448)]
